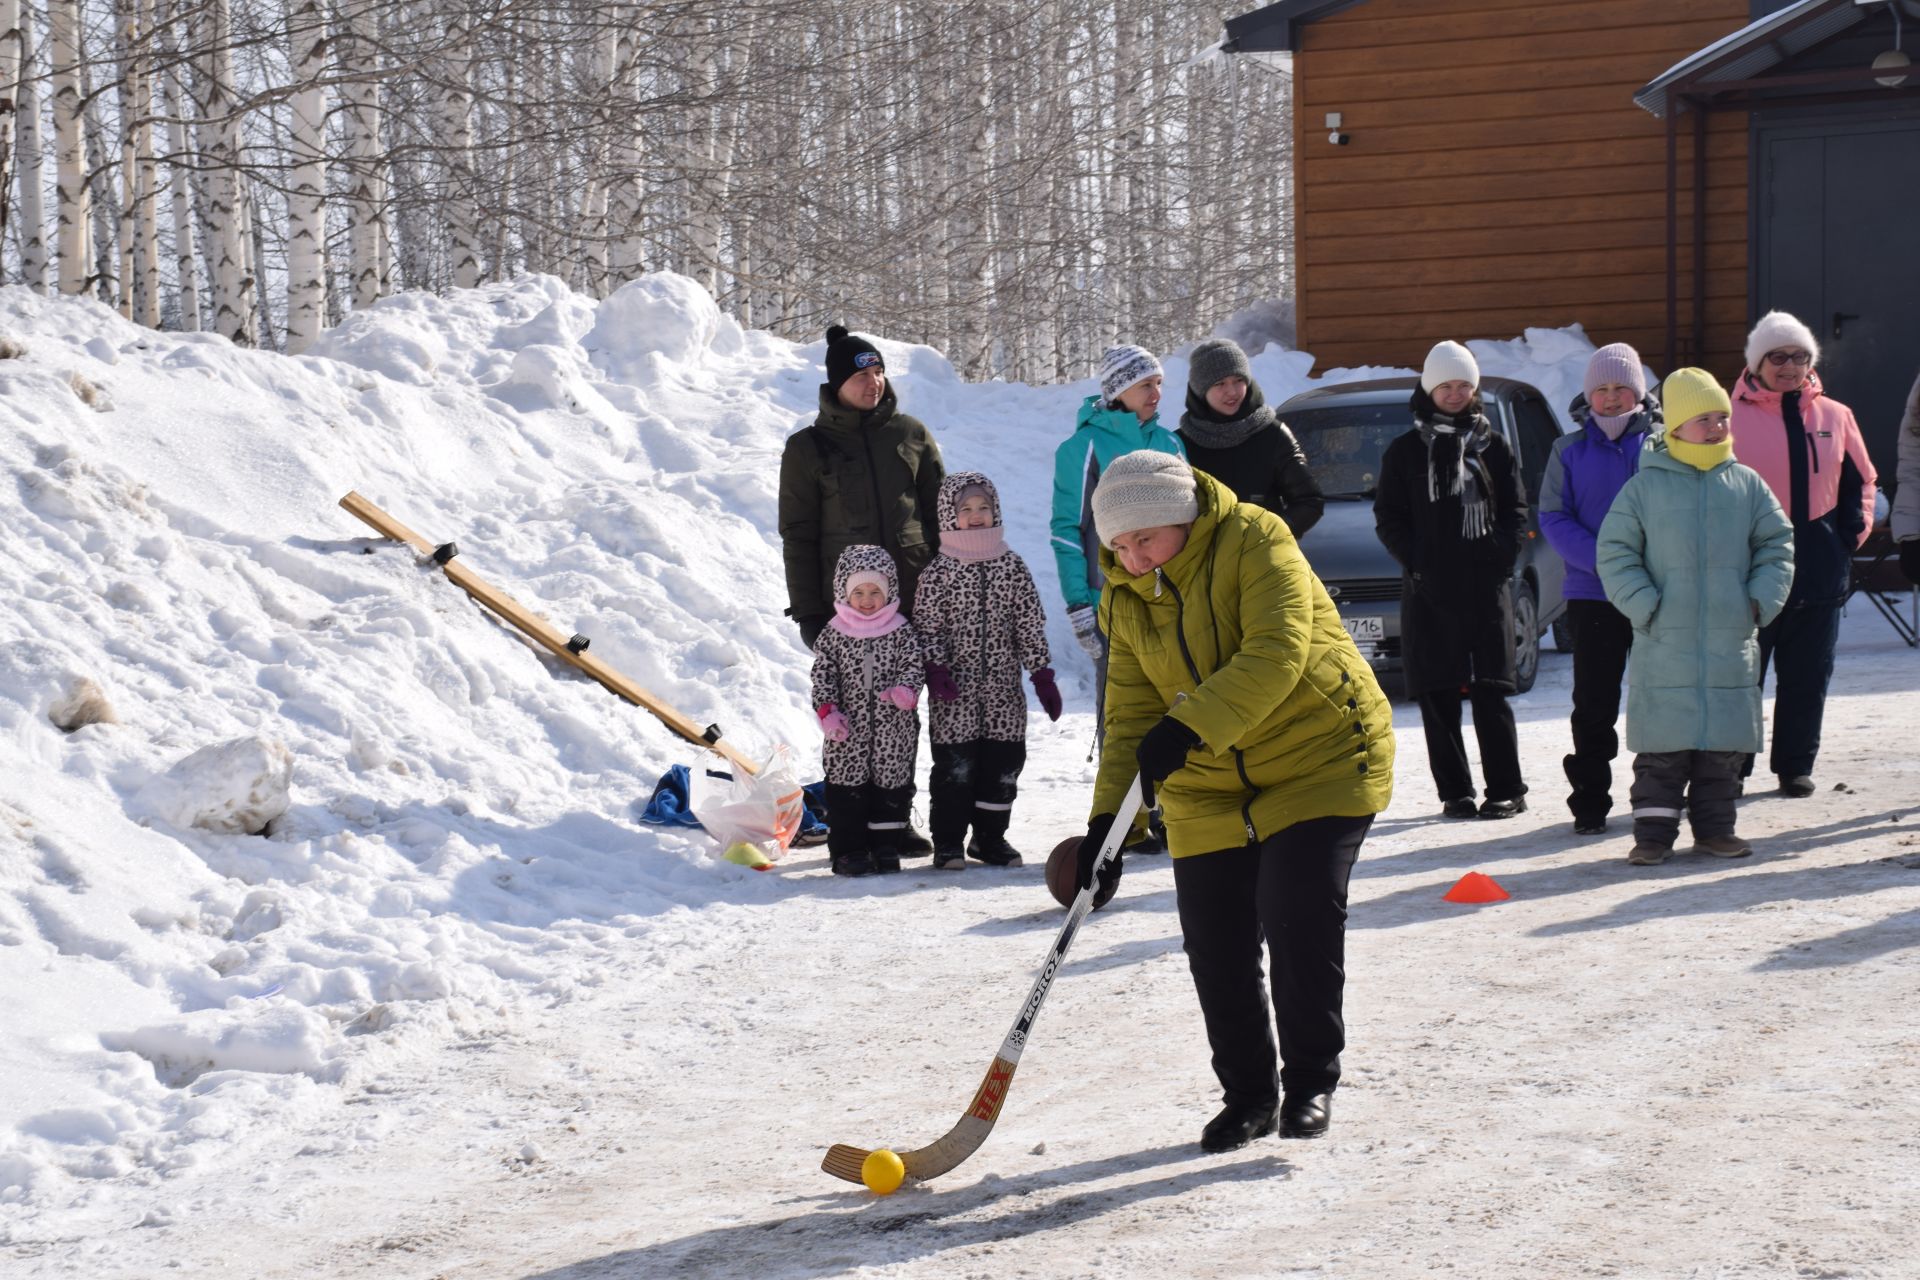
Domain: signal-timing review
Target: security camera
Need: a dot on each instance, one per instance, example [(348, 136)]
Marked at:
[(1339, 139)]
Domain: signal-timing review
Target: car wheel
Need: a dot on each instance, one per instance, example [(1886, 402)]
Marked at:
[(1562, 634), (1526, 637)]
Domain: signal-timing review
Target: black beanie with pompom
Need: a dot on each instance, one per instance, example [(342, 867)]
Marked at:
[(848, 354)]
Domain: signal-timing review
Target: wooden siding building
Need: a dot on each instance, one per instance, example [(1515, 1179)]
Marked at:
[(1461, 202)]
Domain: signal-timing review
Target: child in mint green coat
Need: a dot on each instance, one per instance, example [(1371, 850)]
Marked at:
[(1697, 554)]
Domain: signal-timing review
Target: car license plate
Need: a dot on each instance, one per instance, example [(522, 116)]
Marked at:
[(1372, 627)]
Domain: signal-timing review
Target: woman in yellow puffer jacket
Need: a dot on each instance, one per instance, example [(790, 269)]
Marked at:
[(1269, 771)]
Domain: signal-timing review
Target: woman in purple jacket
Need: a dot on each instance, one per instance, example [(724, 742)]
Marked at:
[(1588, 468)]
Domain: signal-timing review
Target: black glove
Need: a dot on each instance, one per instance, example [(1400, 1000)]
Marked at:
[(1096, 836), (1160, 753), (810, 628), (1910, 560)]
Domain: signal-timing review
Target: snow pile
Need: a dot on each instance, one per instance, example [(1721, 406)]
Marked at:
[(284, 809)]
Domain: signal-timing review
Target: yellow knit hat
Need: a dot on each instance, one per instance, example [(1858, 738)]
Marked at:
[(1688, 393)]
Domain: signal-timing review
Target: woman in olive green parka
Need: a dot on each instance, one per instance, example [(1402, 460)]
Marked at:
[(1269, 770)]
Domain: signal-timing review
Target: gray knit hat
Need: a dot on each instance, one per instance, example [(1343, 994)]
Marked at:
[(1213, 360), (1143, 490), (1123, 367), (1615, 362)]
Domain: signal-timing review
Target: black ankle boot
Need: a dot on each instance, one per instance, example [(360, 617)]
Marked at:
[(1306, 1115), (989, 843), (1237, 1124), (857, 863)]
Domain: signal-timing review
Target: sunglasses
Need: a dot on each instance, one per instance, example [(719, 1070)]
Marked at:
[(1778, 358)]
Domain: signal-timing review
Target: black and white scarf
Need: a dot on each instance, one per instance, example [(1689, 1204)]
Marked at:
[(1455, 442)]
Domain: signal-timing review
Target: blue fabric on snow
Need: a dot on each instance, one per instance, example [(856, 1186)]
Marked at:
[(668, 807)]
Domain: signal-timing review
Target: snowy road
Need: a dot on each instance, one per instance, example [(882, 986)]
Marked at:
[(1701, 1069), (458, 1014)]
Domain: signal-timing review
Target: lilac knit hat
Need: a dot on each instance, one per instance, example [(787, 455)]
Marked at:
[(1615, 362)]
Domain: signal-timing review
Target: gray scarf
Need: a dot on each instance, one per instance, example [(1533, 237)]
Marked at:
[(1455, 467), (1202, 426)]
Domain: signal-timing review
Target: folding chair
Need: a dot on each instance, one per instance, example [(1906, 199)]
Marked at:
[(1877, 576)]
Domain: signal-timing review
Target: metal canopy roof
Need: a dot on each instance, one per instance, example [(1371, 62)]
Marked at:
[(1733, 61), (1276, 28)]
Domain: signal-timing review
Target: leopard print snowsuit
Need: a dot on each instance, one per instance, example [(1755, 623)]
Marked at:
[(851, 672), (983, 621)]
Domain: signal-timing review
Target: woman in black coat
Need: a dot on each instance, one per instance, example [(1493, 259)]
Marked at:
[(1450, 507), (1231, 434)]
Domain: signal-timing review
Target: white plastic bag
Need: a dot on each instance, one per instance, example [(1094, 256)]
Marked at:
[(761, 813)]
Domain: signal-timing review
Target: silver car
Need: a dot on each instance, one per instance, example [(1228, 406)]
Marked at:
[(1344, 429)]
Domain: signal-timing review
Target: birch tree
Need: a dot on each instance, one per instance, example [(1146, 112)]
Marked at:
[(71, 207), (306, 199)]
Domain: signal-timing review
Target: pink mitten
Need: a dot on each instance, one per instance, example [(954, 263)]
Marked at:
[(832, 723), (902, 697)]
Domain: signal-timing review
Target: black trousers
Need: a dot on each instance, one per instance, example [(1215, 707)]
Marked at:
[(1800, 644), (1290, 888), (1447, 748), (866, 817), (973, 783), (1602, 637), (1701, 784)]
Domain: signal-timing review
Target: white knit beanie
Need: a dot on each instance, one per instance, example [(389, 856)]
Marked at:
[(1449, 362), (1123, 367), (1778, 331), (1144, 490)]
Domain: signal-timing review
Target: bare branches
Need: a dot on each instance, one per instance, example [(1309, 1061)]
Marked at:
[(1018, 183)]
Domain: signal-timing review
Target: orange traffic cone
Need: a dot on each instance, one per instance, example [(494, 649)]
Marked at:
[(1474, 887)]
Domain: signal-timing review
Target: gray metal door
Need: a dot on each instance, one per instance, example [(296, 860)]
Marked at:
[(1838, 225)]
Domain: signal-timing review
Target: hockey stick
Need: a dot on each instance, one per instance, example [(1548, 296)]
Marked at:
[(964, 1138)]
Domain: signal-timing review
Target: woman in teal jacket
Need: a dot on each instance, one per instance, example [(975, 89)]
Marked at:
[(1123, 417), (1697, 554)]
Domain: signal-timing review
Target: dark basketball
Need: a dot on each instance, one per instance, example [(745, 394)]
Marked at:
[(1063, 875)]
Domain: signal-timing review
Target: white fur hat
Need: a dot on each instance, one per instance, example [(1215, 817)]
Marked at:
[(1778, 331), (1449, 362)]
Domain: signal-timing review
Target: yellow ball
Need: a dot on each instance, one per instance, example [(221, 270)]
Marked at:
[(882, 1172)]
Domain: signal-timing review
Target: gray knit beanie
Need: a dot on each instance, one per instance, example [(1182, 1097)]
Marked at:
[(1615, 362), (1144, 490), (1213, 360)]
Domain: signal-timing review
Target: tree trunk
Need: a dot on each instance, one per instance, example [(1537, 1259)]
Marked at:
[(70, 172), (36, 265), (13, 49), (306, 200), (218, 127), (366, 165), (179, 170), (456, 117)]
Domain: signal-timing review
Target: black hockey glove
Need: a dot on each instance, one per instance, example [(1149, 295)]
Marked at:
[(1160, 753), (1096, 836), (810, 628)]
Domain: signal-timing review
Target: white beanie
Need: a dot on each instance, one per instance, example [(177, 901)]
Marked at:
[(1123, 367), (1144, 490), (1449, 362), (1778, 331)]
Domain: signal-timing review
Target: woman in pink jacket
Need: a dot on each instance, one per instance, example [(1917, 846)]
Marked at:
[(1808, 448)]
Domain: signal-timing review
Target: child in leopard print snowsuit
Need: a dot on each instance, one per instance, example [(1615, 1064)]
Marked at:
[(867, 675), (980, 623)]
